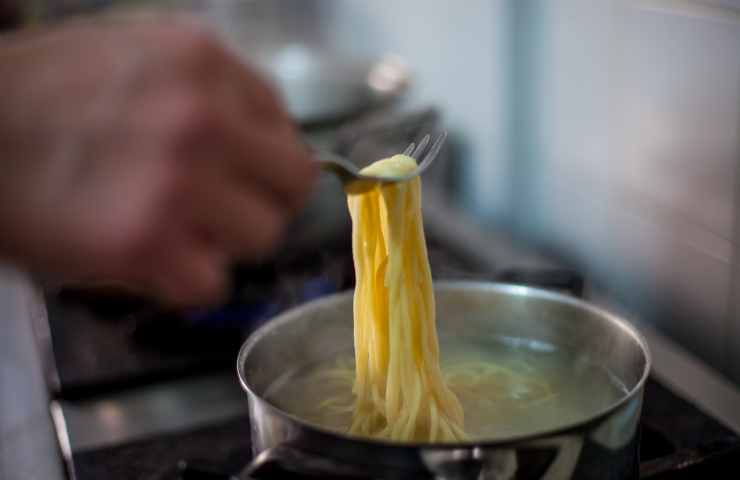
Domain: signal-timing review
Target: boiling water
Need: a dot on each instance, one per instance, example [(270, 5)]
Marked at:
[(507, 387)]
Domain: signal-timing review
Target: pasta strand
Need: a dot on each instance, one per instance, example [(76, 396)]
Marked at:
[(399, 389)]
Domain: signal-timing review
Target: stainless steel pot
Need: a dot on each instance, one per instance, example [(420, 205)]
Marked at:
[(602, 446)]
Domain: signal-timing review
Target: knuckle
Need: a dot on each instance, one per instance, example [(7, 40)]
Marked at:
[(267, 92), (138, 230), (268, 234), (190, 122), (267, 102), (130, 242), (306, 175), (191, 290), (301, 195), (177, 289), (310, 175), (172, 189), (194, 46)]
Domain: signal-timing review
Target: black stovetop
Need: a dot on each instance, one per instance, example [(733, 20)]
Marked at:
[(678, 442)]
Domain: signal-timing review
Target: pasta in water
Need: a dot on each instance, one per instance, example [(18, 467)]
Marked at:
[(400, 392)]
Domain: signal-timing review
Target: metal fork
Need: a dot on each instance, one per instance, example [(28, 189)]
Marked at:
[(356, 182)]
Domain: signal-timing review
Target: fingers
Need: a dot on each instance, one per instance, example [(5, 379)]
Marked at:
[(189, 272), (258, 96), (253, 93), (238, 217), (219, 127), (180, 269), (214, 162), (278, 164), (269, 152), (246, 174), (240, 185)]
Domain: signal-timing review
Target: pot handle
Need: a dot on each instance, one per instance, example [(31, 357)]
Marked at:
[(287, 461)]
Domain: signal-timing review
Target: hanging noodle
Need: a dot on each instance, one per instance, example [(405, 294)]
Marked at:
[(395, 388), (400, 393)]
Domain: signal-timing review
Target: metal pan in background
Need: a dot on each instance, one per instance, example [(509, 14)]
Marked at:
[(298, 45), (319, 86)]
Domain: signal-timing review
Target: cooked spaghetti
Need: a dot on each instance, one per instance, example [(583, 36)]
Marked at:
[(400, 392)]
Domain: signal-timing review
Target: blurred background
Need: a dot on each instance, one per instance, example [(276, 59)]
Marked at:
[(605, 132)]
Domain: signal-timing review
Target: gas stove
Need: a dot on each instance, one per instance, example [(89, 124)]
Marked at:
[(143, 392)]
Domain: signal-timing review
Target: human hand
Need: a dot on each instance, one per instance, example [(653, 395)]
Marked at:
[(144, 154)]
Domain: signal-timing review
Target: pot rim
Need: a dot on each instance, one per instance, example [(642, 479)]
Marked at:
[(508, 288)]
